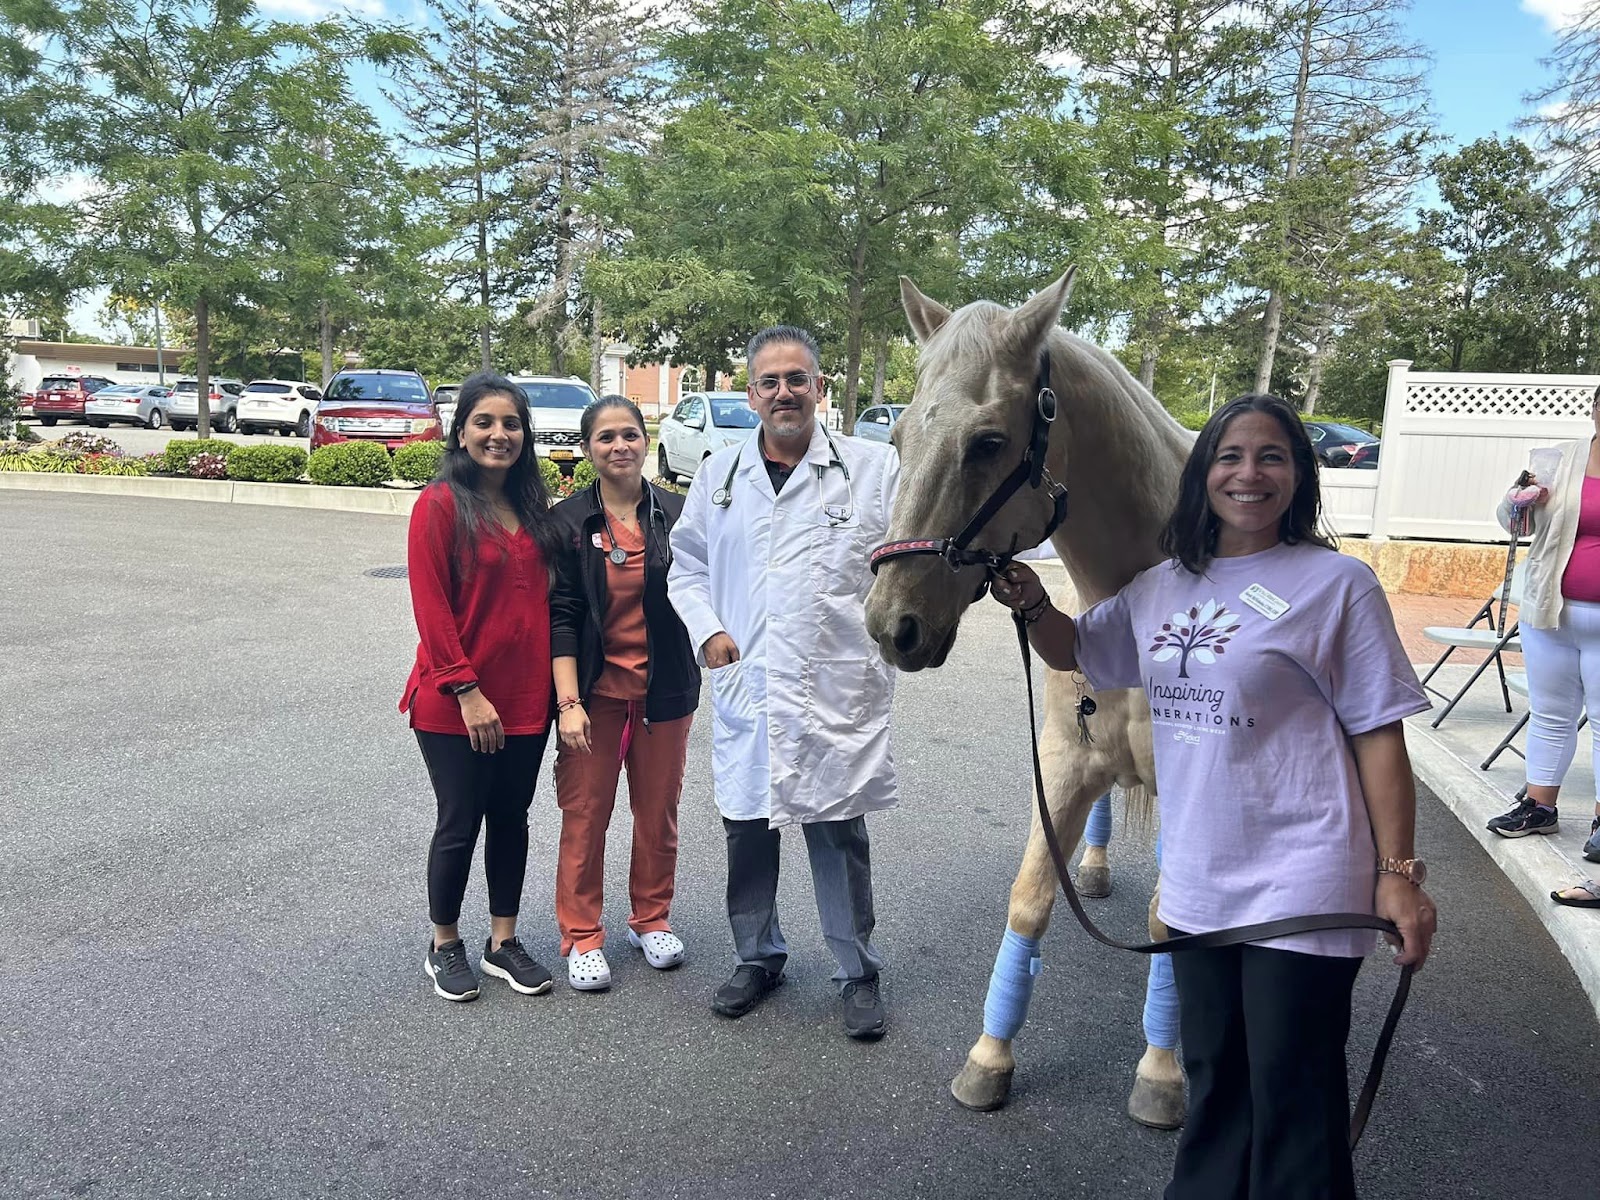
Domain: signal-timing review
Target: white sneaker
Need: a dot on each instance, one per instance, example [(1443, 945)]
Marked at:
[(589, 971), (661, 948)]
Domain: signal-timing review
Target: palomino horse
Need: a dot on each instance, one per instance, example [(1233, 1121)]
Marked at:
[(967, 427)]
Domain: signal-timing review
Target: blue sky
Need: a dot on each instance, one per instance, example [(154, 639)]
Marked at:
[(1486, 58)]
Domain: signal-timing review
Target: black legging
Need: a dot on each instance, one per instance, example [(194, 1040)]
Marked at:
[(475, 789)]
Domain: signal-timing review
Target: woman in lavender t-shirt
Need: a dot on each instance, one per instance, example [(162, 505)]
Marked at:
[(1277, 685)]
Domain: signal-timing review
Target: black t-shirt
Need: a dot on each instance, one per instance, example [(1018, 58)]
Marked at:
[(777, 472)]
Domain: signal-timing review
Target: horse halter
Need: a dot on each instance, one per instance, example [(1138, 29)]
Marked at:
[(957, 551)]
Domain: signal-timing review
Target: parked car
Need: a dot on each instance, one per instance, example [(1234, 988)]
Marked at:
[(222, 405), (24, 404), (375, 404), (877, 422), (285, 405), (63, 396), (1340, 445), (556, 406), (134, 403), (702, 423), (444, 403)]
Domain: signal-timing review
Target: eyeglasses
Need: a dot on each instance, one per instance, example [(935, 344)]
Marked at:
[(799, 384)]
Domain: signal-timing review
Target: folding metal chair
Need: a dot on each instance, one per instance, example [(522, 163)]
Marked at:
[(1489, 630), (1517, 681)]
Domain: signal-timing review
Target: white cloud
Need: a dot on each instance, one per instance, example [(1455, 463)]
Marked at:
[(313, 10), (1556, 14)]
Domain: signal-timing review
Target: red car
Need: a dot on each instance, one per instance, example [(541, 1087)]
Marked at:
[(59, 396), (369, 404)]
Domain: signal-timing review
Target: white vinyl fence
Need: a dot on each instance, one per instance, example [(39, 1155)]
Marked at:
[(1452, 444)]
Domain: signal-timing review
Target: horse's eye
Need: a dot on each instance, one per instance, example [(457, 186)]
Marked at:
[(985, 447)]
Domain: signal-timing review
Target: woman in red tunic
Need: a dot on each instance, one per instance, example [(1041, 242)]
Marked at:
[(478, 552)]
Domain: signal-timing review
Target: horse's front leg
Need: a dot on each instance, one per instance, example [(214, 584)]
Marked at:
[(984, 1082), (1157, 1098)]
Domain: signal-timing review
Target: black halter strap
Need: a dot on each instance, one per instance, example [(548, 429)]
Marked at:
[(957, 552)]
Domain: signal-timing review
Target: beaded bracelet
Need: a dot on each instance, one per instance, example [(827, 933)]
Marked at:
[(570, 702), (1029, 616)]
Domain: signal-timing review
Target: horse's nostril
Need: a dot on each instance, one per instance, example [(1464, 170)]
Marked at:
[(907, 633)]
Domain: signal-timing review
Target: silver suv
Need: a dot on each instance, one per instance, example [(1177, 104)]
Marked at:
[(223, 406)]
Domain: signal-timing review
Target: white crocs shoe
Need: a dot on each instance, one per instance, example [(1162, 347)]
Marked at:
[(589, 971), (661, 948)]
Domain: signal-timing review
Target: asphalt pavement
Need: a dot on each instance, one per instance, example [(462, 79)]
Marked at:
[(214, 823)]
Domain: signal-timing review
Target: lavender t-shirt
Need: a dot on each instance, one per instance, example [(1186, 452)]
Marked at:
[(1257, 673)]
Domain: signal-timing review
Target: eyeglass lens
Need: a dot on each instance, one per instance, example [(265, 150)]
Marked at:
[(799, 383)]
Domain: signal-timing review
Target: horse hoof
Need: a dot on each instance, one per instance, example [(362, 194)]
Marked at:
[(1157, 1105), (980, 1089), (1094, 882)]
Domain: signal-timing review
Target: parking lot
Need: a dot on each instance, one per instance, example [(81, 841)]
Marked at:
[(215, 821)]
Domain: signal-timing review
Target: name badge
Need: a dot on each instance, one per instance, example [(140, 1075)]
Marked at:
[(1264, 602), (594, 538)]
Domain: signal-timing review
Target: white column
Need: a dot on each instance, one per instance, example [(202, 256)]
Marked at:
[(1389, 466)]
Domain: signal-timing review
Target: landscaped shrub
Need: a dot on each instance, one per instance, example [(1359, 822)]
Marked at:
[(182, 451), (418, 462), (79, 442), (35, 462), (267, 464), (560, 486), (208, 466), (584, 475), (110, 464), (351, 464)]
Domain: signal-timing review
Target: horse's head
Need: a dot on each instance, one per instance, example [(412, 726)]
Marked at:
[(966, 429)]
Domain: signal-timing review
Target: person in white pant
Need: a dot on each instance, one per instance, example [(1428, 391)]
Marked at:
[(770, 575), (1559, 623)]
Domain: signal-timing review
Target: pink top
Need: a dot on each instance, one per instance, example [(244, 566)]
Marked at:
[(1581, 580)]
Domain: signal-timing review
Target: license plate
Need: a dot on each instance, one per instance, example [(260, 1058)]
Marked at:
[(561, 455)]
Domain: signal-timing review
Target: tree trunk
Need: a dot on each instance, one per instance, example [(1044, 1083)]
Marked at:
[(1272, 324), (1321, 346), (880, 367), (857, 304), (325, 338), (202, 366), (597, 352), (709, 383)]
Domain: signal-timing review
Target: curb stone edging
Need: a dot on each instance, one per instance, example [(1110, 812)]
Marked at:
[(383, 501)]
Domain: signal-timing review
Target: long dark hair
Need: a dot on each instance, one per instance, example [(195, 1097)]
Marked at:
[(1191, 532), (524, 488)]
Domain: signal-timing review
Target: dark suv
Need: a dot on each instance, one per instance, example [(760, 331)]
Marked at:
[(60, 396), (374, 404)]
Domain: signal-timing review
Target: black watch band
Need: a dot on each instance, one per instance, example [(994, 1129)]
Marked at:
[(461, 689)]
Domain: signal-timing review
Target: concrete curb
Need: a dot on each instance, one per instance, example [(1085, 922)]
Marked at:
[(1534, 865), (384, 501)]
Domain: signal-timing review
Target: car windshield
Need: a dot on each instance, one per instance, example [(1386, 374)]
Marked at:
[(56, 383), (1346, 433), (276, 389), (121, 389), (406, 389), (557, 395), (733, 414), (445, 395)]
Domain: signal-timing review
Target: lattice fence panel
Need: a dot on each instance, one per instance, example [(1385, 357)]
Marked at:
[(1498, 399)]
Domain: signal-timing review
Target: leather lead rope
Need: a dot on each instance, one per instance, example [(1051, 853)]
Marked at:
[(1220, 937)]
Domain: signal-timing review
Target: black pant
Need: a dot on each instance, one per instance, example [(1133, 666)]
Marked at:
[(475, 789), (1269, 1095)]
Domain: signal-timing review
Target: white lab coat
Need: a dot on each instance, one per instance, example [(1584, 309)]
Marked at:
[(800, 724)]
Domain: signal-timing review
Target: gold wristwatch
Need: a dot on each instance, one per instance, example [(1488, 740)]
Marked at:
[(1412, 870)]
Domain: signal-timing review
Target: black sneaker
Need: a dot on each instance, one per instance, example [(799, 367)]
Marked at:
[(748, 987), (450, 971), (1524, 819), (1591, 848), (865, 1017), (516, 966)]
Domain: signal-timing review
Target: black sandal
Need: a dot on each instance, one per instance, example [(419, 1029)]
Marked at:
[(1589, 899)]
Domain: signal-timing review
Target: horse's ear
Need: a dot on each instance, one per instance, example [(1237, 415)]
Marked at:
[(927, 316), (1032, 323)]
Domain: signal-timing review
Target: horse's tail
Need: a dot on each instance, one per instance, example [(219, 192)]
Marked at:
[(1141, 808)]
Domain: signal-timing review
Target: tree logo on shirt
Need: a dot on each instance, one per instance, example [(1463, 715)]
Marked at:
[(1200, 634)]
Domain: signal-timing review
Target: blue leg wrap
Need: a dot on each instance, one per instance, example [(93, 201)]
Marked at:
[(1161, 996), (1011, 985), (1098, 831)]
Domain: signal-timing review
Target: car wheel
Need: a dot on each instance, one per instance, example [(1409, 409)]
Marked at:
[(47, 422), (155, 420), (230, 422), (97, 424), (302, 427), (662, 469)]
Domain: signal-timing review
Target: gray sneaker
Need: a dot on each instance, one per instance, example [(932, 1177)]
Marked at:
[(452, 975), (1591, 848), (1527, 817)]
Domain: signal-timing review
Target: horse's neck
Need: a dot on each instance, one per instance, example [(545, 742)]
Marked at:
[(1121, 461)]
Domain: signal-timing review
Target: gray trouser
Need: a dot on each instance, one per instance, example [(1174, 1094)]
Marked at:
[(841, 877)]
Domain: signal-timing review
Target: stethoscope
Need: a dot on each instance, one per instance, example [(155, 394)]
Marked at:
[(837, 514), (656, 517)]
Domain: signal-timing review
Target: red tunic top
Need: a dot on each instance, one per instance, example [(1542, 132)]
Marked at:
[(1581, 580), (493, 626)]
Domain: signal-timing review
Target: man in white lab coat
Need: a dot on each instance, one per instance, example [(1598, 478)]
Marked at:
[(769, 574)]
